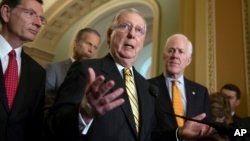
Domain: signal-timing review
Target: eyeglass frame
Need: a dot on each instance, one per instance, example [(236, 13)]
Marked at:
[(32, 14), (139, 31)]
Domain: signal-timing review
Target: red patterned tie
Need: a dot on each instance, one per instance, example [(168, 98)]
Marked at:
[(11, 78)]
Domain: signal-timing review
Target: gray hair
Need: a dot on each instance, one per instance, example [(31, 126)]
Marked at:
[(188, 44)]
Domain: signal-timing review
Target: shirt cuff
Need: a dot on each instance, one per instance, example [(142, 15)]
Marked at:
[(84, 128), (176, 134)]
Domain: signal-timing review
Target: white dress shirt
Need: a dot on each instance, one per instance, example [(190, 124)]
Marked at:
[(5, 48)]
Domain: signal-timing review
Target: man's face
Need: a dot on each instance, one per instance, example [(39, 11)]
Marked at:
[(176, 56), (87, 46), (24, 21), (126, 39), (231, 95)]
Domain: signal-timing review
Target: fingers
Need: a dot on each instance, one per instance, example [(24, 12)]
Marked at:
[(97, 96), (111, 101), (111, 97), (200, 116)]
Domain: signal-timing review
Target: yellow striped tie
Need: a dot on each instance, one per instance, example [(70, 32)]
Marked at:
[(131, 91), (177, 103)]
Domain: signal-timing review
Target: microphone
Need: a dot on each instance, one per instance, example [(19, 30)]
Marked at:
[(221, 128)]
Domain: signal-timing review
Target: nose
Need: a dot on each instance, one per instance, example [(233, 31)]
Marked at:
[(175, 54), (37, 22), (131, 33)]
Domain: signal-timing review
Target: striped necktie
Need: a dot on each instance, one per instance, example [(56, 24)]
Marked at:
[(177, 103), (131, 91)]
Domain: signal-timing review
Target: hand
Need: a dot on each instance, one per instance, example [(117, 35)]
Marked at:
[(193, 130), (95, 101)]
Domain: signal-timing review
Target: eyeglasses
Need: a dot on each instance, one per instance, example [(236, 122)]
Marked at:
[(126, 27), (29, 13)]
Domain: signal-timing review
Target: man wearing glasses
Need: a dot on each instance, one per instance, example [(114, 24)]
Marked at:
[(22, 80), (107, 99)]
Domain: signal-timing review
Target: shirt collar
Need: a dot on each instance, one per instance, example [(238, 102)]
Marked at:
[(120, 68), (180, 79), (5, 48)]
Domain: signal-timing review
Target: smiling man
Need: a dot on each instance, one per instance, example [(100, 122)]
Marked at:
[(22, 80)]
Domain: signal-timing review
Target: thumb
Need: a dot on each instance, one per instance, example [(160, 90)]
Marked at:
[(200, 116)]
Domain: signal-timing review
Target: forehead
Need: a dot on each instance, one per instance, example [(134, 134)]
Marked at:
[(131, 17), (177, 42), (89, 35), (32, 4), (229, 93)]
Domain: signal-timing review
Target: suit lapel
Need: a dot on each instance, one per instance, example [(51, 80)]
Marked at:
[(144, 102), (3, 98), (188, 90), (166, 102), (112, 73)]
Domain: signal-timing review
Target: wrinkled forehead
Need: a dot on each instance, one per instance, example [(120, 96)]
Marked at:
[(177, 42), (131, 17), (32, 4)]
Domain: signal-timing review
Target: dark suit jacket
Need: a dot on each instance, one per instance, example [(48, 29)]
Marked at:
[(116, 125), (197, 102), (24, 121)]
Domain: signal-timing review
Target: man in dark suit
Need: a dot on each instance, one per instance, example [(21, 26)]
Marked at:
[(232, 92), (107, 99), (85, 47), (22, 80), (194, 98)]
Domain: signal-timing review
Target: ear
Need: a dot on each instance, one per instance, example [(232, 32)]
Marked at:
[(189, 60), (74, 44), (5, 13), (109, 35), (237, 102)]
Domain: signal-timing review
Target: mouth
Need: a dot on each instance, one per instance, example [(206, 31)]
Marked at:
[(33, 31), (173, 63), (129, 46)]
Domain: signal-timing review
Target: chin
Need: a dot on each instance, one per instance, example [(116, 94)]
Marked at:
[(29, 38)]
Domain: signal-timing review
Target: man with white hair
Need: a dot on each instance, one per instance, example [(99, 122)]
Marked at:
[(178, 95)]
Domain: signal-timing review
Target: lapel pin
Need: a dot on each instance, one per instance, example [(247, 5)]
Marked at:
[(193, 93)]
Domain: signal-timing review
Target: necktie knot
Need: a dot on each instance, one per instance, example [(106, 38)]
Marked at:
[(175, 82), (127, 72), (12, 54)]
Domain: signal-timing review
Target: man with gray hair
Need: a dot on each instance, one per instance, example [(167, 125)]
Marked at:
[(178, 95)]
